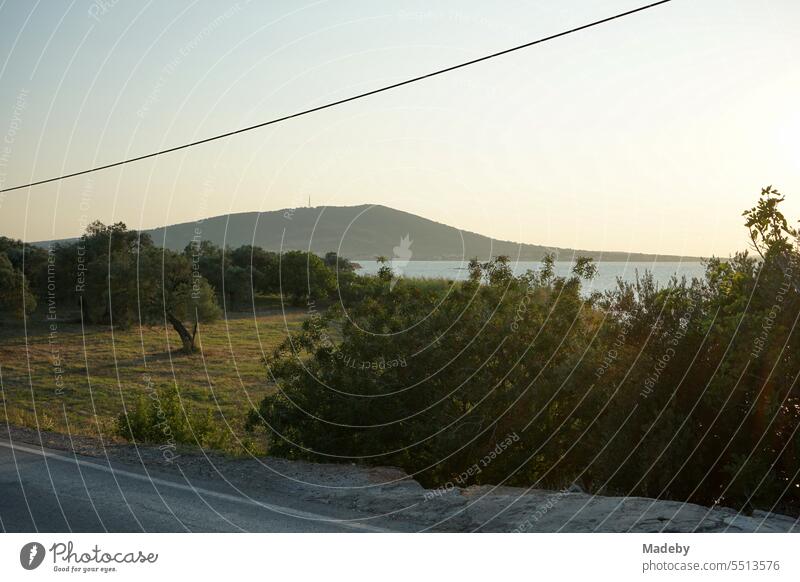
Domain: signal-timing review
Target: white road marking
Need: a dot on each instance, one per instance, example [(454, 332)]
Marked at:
[(287, 511)]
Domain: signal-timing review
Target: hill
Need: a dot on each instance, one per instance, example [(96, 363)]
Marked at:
[(364, 232)]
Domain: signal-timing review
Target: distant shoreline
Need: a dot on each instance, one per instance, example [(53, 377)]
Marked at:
[(669, 259)]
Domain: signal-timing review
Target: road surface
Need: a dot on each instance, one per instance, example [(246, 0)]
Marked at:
[(44, 490)]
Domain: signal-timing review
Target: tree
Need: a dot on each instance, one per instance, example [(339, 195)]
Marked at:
[(234, 274), (30, 259), (207, 259), (250, 270), (385, 272), (304, 275), (770, 232), (261, 267), (15, 295), (120, 278), (173, 292), (98, 273), (338, 264)]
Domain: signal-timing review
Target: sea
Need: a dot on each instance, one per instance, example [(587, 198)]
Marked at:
[(607, 272)]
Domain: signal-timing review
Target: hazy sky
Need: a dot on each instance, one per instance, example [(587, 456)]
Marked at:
[(648, 134)]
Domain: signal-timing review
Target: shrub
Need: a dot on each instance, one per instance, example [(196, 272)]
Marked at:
[(686, 391), (161, 418)]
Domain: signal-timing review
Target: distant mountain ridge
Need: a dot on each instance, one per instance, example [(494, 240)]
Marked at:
[(364, 232)]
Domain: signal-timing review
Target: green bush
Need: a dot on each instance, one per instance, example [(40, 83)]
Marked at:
[(161, 418), (687, 391)]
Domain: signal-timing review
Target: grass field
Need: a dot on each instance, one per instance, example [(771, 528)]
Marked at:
[(78, 380)]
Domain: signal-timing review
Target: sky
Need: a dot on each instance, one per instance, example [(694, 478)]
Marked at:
[(649, 134)]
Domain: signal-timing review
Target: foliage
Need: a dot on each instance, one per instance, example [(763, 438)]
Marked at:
[(118, 277), (15, 295), (238, 273), (686, 392), (162, 418), (233, 274), (28, 259), (336, 263), (304, 276)]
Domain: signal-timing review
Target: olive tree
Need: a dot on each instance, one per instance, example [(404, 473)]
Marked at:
[(173, 292)]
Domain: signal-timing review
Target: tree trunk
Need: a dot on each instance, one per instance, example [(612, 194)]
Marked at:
[(187, 339)]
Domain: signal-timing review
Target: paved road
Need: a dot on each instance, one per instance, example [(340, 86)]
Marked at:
[(53, 491)]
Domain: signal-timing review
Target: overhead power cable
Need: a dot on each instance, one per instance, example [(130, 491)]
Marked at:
[(340, 101)]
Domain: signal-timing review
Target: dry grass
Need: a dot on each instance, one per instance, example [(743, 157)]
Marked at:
[(104, 371)]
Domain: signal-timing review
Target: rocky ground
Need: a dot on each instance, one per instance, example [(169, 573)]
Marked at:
[(389, 491)]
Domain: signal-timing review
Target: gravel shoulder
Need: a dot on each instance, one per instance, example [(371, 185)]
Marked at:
[(389, 492)]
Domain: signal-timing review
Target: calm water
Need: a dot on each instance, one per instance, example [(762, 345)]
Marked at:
[(607, 272)]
